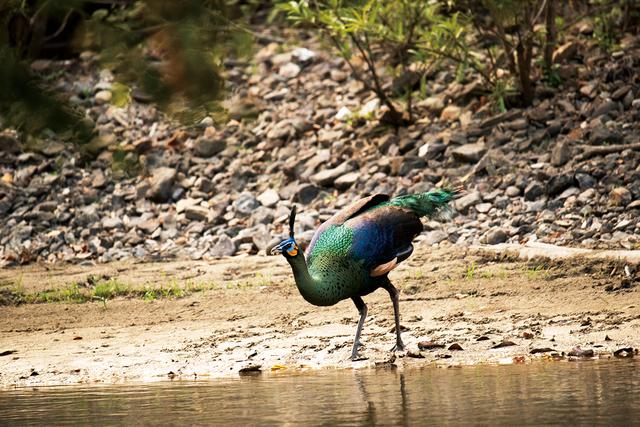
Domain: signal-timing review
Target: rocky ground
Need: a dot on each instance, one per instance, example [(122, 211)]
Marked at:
[(301, 130), (458, 307)]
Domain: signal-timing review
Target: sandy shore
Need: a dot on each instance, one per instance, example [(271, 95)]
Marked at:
[(496, 307)]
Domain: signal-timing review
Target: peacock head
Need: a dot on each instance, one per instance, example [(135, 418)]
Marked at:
[(288, 247)]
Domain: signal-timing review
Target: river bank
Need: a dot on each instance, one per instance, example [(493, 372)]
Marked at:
[(234, 315)]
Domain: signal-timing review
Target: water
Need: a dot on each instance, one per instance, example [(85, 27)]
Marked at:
[(579, 393)]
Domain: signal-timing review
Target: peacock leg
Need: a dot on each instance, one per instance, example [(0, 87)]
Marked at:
[(394, 294), (362, 309)]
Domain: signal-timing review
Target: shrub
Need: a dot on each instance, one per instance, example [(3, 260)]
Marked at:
[(405, 36)]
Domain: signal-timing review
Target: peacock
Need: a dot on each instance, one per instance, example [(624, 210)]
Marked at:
[(352, 253)]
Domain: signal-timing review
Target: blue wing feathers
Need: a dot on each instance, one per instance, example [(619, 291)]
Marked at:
[(383, 234), (381, 228)]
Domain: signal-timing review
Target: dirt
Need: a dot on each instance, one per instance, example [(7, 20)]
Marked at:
[(495, 307)]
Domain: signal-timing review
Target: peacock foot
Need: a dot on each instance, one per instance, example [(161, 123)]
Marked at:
[(356, 357), (354, 352), (398, 347)]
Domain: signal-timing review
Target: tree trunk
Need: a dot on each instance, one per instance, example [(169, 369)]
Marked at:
[(551, 34), (524, 51)]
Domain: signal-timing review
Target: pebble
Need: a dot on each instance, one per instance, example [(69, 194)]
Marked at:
[(465, 202), (208, 147), (103, 97), (269, 198), (533, 191), (495, 236), (245, 204), (161, 184), (224, 247), (450, 113), (435, 236), (620, 196), (470, 153), (289, 70)]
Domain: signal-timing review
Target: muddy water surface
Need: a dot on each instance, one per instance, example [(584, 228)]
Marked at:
[(580, 393)]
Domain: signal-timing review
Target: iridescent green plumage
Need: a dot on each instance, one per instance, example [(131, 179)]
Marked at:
[(352, 253)]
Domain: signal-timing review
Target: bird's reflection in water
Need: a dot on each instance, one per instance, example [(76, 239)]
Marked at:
[(396, 397)]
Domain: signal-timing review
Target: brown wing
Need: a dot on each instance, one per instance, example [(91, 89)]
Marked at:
[(346, 213)]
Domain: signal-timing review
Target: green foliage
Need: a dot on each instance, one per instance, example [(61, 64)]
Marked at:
[(405, 36), (170, 50), (103, 290), (612, 19), (470, 272)]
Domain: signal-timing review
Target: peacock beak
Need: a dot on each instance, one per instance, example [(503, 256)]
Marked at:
[(276, 250)]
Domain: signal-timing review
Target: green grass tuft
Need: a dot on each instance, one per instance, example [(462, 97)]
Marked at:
[(101, 290)]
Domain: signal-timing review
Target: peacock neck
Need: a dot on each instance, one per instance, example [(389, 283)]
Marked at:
[(310, 288)]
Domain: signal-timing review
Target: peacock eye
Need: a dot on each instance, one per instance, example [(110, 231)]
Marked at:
[(293, 250)]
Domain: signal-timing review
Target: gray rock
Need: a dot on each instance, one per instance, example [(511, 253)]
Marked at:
[(328, 176), (245, 204), (347, 180), (410, 163), (561, 153), (261, 237), (52, 149), (587, 195), (435, 236), (111, 223), (585, 180), (607, 107), (537, 206), (160, 184), (469, 153), (558, 183), (432, 150), (434, 104), (303, 55), (183, 204), (262, 215), (306, 193), (223, 247), (205, 184), (87, 215), (466, 201), (512, 191), (494, 237), (621, 92), (269, 198), (282, 130), (196, 213), (149, 226), (483, 207), (601, 135), (289, 70), (209, 147), (98, 180), (533, 191)]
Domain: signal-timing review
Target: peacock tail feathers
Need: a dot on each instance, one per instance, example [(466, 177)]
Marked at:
[(432, 203)]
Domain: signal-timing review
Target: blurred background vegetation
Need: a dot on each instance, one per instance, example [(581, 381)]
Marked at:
[(172, 52)]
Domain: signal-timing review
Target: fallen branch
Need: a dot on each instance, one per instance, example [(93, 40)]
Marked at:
[(591, 151)]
